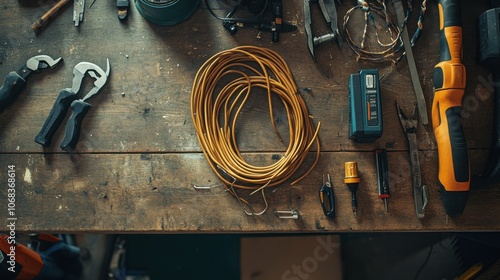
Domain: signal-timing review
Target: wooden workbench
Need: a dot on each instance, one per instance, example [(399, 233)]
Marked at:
[(138, 156)]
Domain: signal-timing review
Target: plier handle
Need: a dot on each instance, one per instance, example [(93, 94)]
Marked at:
[(68, 97), (15, 81), (326, 197)]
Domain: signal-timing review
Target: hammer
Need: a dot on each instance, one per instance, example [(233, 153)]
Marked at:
[(489, 55), (48, 15)]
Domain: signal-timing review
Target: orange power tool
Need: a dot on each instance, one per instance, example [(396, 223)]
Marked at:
[(449, 87)]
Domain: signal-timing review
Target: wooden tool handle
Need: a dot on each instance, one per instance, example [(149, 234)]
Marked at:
[(50, 13)]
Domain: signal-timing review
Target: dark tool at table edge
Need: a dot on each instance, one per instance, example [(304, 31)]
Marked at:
[(489, 55), (15, 82)]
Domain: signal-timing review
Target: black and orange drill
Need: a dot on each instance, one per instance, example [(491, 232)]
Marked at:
[(51, 258), (18, 261), (449, 88)]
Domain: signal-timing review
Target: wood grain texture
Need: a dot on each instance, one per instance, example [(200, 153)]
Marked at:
[(154, 193), (138, 155)]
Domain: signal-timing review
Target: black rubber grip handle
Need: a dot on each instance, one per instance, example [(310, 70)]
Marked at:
[(328, 209), (459, 152), (454, 202), (450, 25), (80, 109), (452, 13), (55, 118), (12, 86)]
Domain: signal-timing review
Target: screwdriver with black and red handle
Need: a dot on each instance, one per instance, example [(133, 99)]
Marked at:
[(449, 88)]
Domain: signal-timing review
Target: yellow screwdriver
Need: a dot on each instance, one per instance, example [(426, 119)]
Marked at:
[(449, 87), (352, 181)]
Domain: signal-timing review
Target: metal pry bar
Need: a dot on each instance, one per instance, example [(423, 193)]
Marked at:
[(417, 87), (329, 12)]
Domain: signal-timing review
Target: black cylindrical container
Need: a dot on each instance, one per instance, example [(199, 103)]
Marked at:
[(166, 12)]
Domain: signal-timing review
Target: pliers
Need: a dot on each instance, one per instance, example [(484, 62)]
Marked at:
[(68, 97), (420, 191), (330, 14), (327, 190), (16, 81)]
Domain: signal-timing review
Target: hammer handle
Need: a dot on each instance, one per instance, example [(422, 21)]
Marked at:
[(46, 17)]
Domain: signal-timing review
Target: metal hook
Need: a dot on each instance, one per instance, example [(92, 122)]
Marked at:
[(252, 212), (240, 200), (261, 188)]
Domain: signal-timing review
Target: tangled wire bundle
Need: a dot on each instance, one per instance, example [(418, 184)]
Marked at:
[(215, 108), (390, 50)]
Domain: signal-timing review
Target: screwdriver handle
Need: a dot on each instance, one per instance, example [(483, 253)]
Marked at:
[(382, 173), (80, 109), (55, 118), (449, 85), (11, 88)]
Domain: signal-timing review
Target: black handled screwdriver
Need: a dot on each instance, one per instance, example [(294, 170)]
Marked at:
[(382, 175)]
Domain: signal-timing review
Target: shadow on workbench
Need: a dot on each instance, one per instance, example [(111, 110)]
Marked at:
[(362, 256)]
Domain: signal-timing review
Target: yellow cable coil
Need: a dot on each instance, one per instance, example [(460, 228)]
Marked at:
[(255, 67)]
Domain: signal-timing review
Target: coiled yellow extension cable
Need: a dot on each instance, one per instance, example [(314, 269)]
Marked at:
[(215, 109)]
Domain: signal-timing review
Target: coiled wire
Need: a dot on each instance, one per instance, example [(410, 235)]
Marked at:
[(215, 108)]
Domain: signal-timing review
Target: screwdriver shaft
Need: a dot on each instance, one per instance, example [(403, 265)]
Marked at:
[(354, 201)]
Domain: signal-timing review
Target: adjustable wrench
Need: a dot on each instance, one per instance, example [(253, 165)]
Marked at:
[(16, 81)]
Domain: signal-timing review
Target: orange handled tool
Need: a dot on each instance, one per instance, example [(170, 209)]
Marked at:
[(449, 87)]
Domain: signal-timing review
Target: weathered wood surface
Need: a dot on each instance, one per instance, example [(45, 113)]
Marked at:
[(138, 155)]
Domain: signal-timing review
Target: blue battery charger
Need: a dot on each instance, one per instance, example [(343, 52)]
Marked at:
[(365, 106)]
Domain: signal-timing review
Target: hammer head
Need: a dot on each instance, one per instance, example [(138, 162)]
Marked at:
[(489, 38)]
